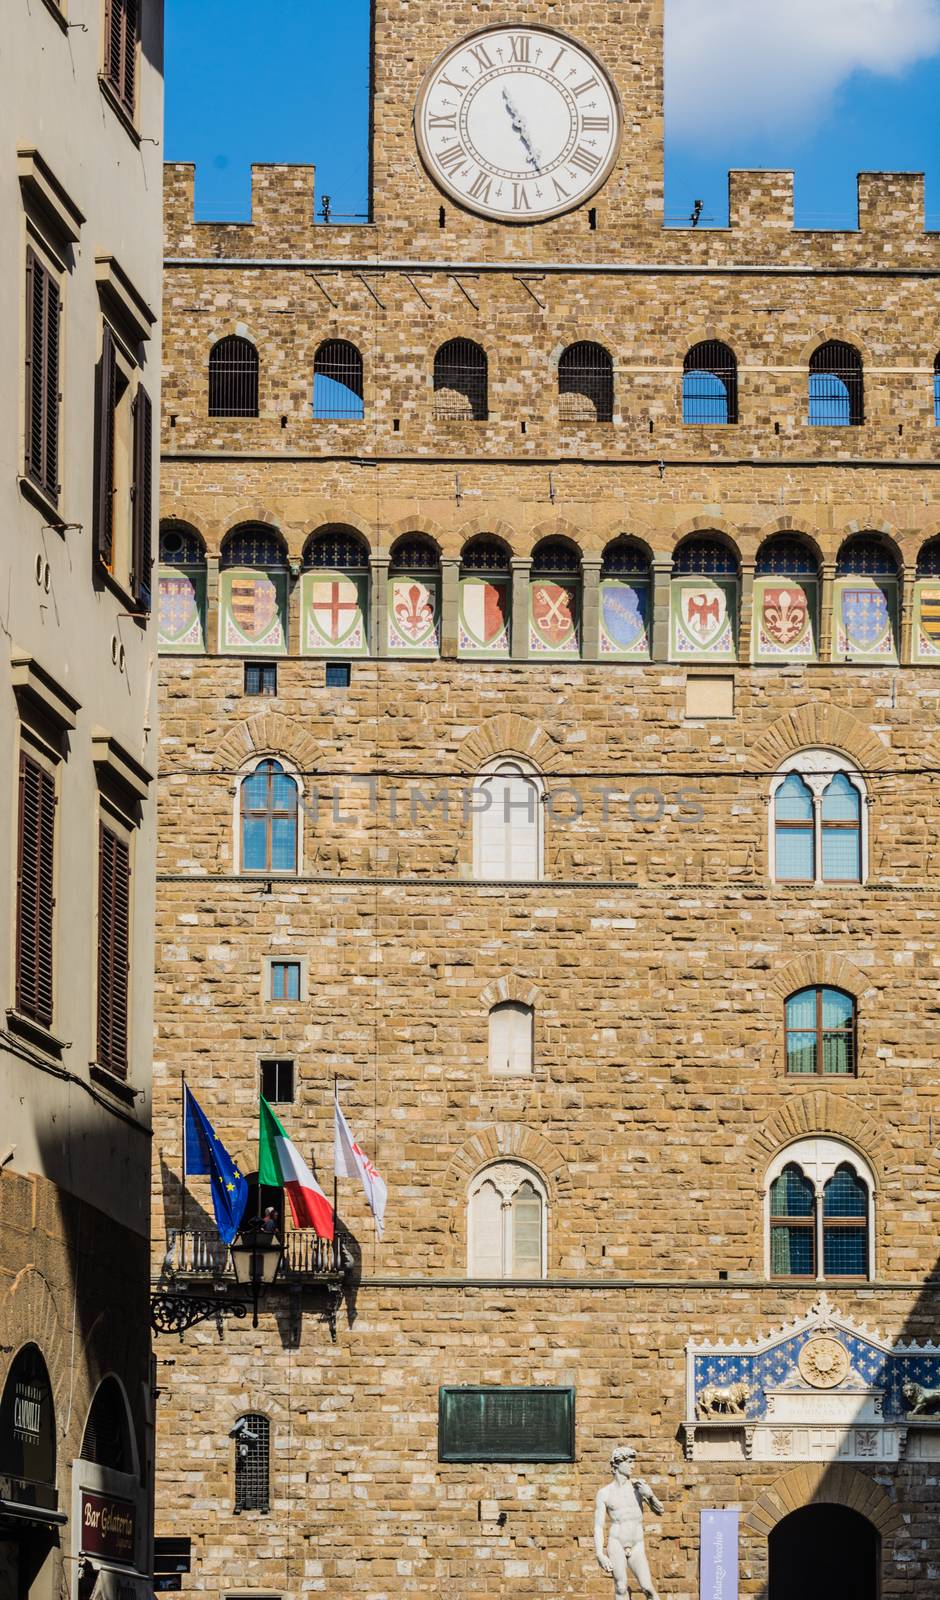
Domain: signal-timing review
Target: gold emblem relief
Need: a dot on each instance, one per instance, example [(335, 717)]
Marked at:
[(824, 1363)]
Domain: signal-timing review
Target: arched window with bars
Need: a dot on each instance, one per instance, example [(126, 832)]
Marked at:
[(926, 631), (786, 600), (461, 382), (820, 1213), (836, 386), (269, 820), (586, 383), (485, 615), (338, 394), (253, 587), (252, 1437), (555, 599), (233, 378), (866, 608), (414, 597), (626, 591), (335, 594), (821, 1033), (704, 599), (819, 820), (181, 610), (710, 385), (507, 1223)]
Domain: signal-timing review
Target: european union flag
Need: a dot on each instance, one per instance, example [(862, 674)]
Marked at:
[(206, 1156)]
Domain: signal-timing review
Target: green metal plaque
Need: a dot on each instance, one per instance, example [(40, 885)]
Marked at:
[(506, 1424)]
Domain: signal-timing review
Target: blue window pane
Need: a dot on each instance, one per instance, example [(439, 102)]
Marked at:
[(795, 855), (255, 792), (845, 1252), (704, 398), (838, 1009), (841, 801), (792, 1253), (801, 1009), (283, 844), (936, 399), (842, 855), (801, 1052), (285, 794), (830, 405), (792, 1195), (794, 800), (285, 980), (333, 400), (254, 853), (846, 1195)]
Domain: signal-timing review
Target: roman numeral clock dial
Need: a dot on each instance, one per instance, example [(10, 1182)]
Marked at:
[(518, 124)]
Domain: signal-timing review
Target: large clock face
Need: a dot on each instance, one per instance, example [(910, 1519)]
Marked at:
[(518, 123)]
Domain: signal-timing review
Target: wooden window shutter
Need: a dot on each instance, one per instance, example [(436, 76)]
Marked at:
[(113, 951), (35, 900), (122, 31), (43, 313), (105, 401), (142, 561)]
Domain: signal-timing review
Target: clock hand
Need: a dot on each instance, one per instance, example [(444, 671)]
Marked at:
[(520, 126)]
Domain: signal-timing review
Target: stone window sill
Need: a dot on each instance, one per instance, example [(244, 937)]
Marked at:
[(114, 1085), (39, 498), (36, 1034), (119, 110)]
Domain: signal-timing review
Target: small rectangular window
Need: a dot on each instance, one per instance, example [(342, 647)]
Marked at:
[(277, 1081), (338, 674), (261, 677), (285, 980), (171, 1558)]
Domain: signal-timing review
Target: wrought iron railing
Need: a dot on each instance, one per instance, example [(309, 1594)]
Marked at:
[(190, 1254)]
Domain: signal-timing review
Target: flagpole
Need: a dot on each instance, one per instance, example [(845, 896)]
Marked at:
[(183, 1124), (335, 1179)]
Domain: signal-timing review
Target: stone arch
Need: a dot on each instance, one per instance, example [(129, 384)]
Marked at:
[(804, 528), (481, 528), (819, 969), (826, 1114), (418, 524), (720, 525), (825, 1484), (876, 525), (510, 987), (814, 726), (29, 1315), (230, 330), (843, 334), (508, 735), (508, 1142), (268, 733), (556, 528)]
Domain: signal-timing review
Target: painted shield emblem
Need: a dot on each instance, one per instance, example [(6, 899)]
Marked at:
[(703, 613), (624, 616), (930, 614), (785, 616), (254, 605), (179, 610), (553, 613), (485, 608), (865, 617), (413, 610), (334, 608)]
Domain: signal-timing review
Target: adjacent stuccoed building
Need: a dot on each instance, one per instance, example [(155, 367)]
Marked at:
[(81, 115), (632, 530)]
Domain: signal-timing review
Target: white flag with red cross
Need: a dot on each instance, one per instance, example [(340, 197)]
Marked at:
[(350, 1161)]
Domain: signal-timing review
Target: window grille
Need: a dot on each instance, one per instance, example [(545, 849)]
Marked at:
[(252, 1456), (485, 555), (936, 391), (233, 378), (586, 383), (337, 547), (285, 980), (820, 1033), (928, 560), (556, 556), (415, 555), (106, 1440), (269, 820), (836, 386), (338, 675), (785, 557), (253, 545), (277, 1080), (181, 548), (710, 385), (866, 556), (261, 678), (705, 558), (461, 382), (624, 559), (338, 382)]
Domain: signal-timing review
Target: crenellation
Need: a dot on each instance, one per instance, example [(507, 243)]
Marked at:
[(892, 204), (760, 202)]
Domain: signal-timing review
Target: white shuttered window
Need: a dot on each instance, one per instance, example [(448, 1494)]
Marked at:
[(511, 1038), (507, 835), (507, 1223)]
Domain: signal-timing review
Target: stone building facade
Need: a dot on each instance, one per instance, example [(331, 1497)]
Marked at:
[(548, 755), (80, 281)]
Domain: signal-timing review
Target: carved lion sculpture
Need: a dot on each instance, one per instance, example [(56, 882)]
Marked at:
[(921, 1402), (728, 1402)]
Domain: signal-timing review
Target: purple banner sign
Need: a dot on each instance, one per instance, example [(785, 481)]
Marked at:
[(720, 1555)]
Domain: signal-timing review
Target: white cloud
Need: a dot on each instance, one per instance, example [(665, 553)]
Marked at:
[(771, 65)]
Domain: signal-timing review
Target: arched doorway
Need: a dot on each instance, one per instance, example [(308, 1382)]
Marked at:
[(825, 1552)]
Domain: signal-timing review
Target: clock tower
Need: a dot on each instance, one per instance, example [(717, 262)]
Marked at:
[(543, 114)]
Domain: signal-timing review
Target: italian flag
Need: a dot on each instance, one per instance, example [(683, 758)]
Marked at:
[(281, 1166)]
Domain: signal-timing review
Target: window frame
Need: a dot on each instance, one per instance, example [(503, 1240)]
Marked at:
[(508, 1178), (570, 374), (475, 381), (46, 937), (525, 1011), (45, 387), (250, 375), (820, 1033), (261, 668), (116, 1062), (513, 766), (819, 1158), (260, 1500), (239, 820), (817, 768), (279, 1063), (114, 75)]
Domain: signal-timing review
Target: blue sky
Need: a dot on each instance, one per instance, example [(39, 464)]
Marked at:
[(829, 87)]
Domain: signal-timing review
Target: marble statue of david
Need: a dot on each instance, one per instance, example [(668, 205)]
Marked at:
[(622, 1501)]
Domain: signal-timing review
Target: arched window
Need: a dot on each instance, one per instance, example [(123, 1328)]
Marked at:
[(461, 382), (936, 391), (586, 383), (555, 599), (252, 1436), (253, 545), (511, 1028), (625, 600), (710, 385), (926, 633), (819, 829), (253, 591), (107, 1438), (485, 599), (820, 1028), (414, 597), (507, 823), (866, 603), (335, 594), (269, 820), (786, 600), (704, 619), (820, 1213), (507, 1223), (233, 378), (181, 612), (836, 386), (337, 382)]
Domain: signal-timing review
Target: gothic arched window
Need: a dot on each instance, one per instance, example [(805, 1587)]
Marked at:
[(819, 827), (181, 611), (507, 1223), (820, 1212), (507, 823), (586, 383), (710, 385), (461, 382), (338, 382), (269, 819), (836, 386), (233, 378)]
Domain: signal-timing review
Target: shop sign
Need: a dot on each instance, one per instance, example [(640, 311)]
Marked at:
[(27, 1421), (108, 1527)]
